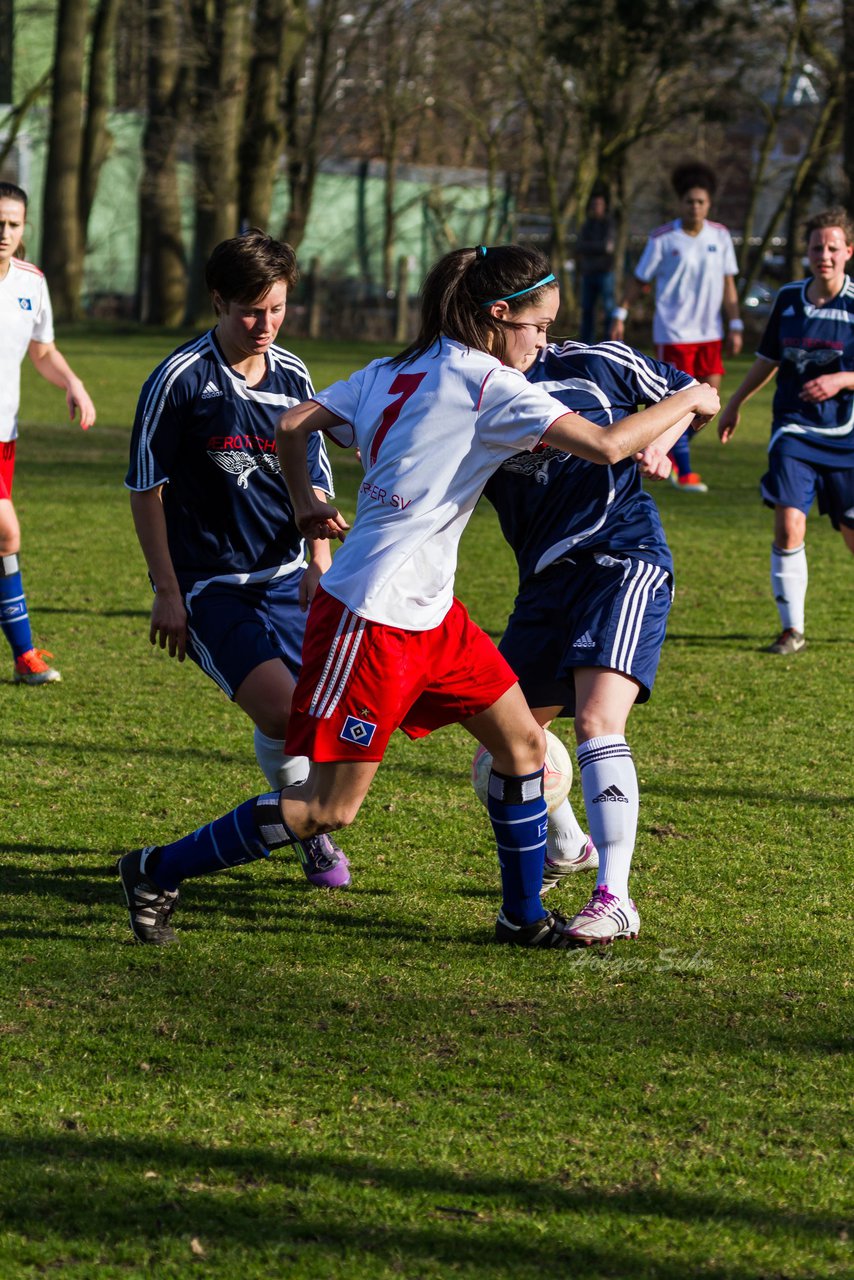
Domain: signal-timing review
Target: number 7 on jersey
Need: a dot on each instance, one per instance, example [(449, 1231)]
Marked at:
[(404, 385)]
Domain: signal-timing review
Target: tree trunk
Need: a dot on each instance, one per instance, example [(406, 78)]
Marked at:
[(96, 136), (750, 265), (848, 118), (62, 234), (278, 37), (162, 285), (219, 112)]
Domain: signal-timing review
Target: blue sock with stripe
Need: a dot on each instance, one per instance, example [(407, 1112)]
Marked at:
[(519, 817), (14, 619), (680, 454), (250, 831)]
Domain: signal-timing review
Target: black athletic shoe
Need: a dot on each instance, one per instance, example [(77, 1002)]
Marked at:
[(548, 932), (150, 906)]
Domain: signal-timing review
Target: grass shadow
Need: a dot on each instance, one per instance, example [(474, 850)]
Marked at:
[(263, 1198)]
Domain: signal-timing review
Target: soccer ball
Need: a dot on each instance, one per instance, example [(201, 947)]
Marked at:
[(556, 782)]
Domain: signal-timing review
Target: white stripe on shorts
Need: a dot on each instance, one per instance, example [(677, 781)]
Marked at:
[(644, 581), (336, 669)]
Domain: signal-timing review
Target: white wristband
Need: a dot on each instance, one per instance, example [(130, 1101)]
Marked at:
[(620, 313), (736, 326)]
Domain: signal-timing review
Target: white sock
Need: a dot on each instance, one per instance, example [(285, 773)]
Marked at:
[(279, 770), (610, 786), (565, 838), (789, 585)]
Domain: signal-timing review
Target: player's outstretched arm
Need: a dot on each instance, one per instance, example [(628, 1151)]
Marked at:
[(168, 614), (314, 517), (53, 366), (760, 372), (630, 435)]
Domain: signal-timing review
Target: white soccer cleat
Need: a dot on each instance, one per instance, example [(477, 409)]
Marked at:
[(556, 869), (605, 918)]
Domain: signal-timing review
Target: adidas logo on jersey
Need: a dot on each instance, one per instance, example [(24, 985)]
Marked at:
[(613, 794), (584, 642), (210, 391), (790, 311)]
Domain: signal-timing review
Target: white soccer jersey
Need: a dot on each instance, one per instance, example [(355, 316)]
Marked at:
[(689, 276), (25, 316), (430, 433)]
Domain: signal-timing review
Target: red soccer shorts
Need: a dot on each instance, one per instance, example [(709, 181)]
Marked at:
[(700, 359), (7, 467), (361, 680)]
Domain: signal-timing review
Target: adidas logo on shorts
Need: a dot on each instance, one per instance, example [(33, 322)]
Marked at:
[(584, 642)]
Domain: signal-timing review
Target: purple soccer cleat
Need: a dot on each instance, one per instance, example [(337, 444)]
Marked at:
[(324, 864)]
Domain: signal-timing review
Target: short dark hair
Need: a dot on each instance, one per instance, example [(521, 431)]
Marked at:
[(460, 288), (833, 217), (693, 173), (10, 191), (246, 267)]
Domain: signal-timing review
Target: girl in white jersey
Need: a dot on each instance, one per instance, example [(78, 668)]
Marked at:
[(693, 265), (387, 644), (26, 325)]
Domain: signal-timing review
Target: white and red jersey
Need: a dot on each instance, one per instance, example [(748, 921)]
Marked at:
[(689, 273), (25, 316), (431, 433)]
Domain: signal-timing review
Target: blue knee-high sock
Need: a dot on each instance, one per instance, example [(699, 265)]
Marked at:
[(250, 831), (517, 811), (14, 618), (680, 454)]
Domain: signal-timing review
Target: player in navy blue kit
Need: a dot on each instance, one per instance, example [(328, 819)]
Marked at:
[(809, 344), (214, 517), (595, 587)]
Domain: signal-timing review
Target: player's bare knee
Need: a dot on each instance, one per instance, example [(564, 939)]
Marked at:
[(595, 725), (522, 753)]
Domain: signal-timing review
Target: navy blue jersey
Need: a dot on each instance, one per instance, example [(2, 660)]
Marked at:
[(808, 341), (208, 438), (550, 503)]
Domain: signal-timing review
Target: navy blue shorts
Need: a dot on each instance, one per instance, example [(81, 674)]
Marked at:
[(232, 629), (603, 611), (790, 482)]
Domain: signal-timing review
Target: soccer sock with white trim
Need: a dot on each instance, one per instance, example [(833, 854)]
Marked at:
[(789, 584), (566, 839), (517, 811), (279, 770), (250, 831), (14, 619), (610, 786)]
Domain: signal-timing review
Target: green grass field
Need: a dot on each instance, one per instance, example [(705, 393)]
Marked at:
[(362, 1085)]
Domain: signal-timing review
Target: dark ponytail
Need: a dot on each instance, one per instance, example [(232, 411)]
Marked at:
[(461, 287)]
